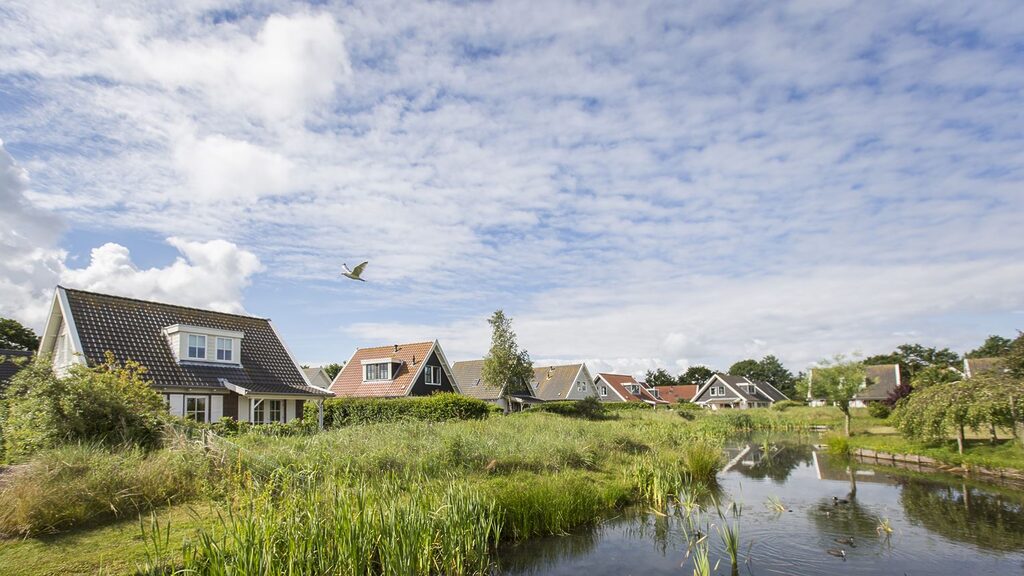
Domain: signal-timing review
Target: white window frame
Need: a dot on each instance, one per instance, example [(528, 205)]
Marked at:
[(387, 371), (275, 406), (258, 404), (206, 409), (604, 391), (189, 347), (432, 375), (581, 386), (229, 350)]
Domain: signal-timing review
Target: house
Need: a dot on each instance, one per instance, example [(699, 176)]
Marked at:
[(727, 391), (623, 388), (417, 369), (12, 361), (469, 376), (975, 366), (317, 377), (207, 365), (565, 382), (879, 382), (677, 394)]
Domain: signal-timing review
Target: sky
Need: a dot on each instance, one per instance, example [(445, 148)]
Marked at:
[(638, 185)]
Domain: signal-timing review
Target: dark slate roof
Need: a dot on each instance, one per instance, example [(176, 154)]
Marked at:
[(10, 363), (469, 375), (881, 380), (132, 330), (976, 366), (554, 382), (769, 391)]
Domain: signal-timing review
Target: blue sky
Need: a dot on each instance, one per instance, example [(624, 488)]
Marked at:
[(638, 184)]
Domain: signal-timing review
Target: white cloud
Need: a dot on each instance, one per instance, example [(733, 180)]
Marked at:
[(218, 168), (208, 275)]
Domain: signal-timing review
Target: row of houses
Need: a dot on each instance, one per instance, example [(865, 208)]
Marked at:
[(210, 365)]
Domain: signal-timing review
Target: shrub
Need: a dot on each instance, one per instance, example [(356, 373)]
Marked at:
[(787, 404), (838, 445), (434, 408), (688, 410), (589, 408), (74, 484), (112, 404), (625, 406), (879, 409)]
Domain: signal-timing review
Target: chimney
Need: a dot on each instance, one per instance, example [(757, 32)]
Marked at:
[(396, 347), (413, 359)]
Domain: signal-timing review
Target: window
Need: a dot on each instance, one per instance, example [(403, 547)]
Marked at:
[(379, 371), (718, 390), (258, 411), (581, 386), (195, 408), (225, 349), (604, 390), (275, 410), (197, 346), (433, 375)]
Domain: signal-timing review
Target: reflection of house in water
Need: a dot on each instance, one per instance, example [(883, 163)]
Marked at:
[(838, 469), (766, 460)]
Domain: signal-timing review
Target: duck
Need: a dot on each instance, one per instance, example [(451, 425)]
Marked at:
[(847, 540), (837, 552), (836, 501)]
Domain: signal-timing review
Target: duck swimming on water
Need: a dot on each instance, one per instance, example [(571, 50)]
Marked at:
[(847, 540), (837, 501), (837, 552)]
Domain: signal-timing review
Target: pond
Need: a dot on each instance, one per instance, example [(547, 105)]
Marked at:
[(940, 524)]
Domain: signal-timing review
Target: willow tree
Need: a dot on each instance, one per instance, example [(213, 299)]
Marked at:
[(506, 366), (838, 381), (929, 414)]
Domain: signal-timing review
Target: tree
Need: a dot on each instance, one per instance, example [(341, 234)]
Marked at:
[(659, 377), (506, 366), (928, 414), (696, 375), (747, 368), (994, 346), (332, 369), (934, 375), (769, 369), (838, 380), (1014, 360), (14, 336)]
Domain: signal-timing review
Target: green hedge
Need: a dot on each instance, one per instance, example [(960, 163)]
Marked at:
[(590, 408), (435, 408), (627, 406)]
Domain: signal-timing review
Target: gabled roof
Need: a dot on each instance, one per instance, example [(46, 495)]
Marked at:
[(469, 375), (409, 357), (673, 394), (317, 377), (975, 366), (763, 392), (619, 384), (11, 361), (882, 381), (133, 330), (554, 382)]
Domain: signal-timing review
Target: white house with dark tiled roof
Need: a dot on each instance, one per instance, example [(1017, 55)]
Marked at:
[(207, 364), (727, 391)]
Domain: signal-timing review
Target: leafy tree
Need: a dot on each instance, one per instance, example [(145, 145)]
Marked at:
[(659, 377), (934, 375), (769, 369), (747, 368), (111, 403), (14, 336), (928, 414), (1014, 360), (838, 381), (912, 358), (696, 375), (332, 369), (994, 346), (506, 366)]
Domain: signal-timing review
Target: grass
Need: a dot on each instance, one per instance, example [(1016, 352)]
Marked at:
[(1004, 454)]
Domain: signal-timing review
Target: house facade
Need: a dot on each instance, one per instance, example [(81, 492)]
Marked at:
[(206, 364), (565, 382), (879, 382), (625, 388), (469, 376), (417, 369), (317, 377), (723, 391)]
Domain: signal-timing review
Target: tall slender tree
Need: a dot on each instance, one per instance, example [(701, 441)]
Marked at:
[(506, 366), (838, 380)]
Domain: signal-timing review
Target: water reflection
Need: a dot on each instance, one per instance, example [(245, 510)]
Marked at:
[(942, 525)]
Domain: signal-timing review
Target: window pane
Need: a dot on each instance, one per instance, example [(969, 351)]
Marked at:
[(224, 348)]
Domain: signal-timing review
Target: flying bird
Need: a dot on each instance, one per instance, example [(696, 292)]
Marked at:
[(353, 274)]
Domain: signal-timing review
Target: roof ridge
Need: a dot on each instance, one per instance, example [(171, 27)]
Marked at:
[(393, 345), (129, 298)]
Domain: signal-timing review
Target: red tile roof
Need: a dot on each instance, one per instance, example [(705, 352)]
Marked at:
[(619, 383), (349, 382), (674, 394)]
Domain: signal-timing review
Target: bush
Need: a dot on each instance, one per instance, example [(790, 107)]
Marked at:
[(787, 404), (110, 404), (688, 410), (589, 408), (434, 408), (621, 406), (879, 410)]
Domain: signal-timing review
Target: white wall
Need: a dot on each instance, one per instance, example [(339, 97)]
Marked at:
[(243, 408), (289, 410), (216, 408), (177, 404)]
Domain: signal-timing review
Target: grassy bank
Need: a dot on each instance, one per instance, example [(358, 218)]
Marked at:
[(1005, 453), (447, 492)]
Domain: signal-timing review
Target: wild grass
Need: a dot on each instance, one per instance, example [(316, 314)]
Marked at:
[(775, 504), (729, 531), (76, 484), (838, 445)]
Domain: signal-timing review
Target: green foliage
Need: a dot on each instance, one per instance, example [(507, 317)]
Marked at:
[(746, 368), (769, 369), (506, 366), (434, 408), (112, 404), (879, 410), (993, 347), (75, 484), (14, 336), (838, 445), (696, 375), (1014, 361), (838, 381), (786, 405), (589, 408), (688, 410), (934, 375), (332, 369), (912, 358), (659, 377)]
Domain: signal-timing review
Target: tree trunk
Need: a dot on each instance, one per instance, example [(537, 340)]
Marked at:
[(846, 422), (992, 430), (960, 438)]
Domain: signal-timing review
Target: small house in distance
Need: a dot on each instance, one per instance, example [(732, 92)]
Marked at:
[(976, 366), (565, 382), (317, 377), (469, 376), (625, 388), (726, 391), (879, 382), (417, 369), (207, 364), (677, 394)]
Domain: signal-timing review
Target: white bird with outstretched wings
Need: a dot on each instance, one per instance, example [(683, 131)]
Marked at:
[(353, 274)]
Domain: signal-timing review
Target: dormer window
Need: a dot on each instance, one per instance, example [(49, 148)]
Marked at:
[(225, 349), (197, 346), (377, 371)]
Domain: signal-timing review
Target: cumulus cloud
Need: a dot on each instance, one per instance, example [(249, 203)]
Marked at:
[(219, 168)]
